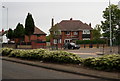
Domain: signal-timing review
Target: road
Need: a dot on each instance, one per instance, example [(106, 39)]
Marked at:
[(11, 70)]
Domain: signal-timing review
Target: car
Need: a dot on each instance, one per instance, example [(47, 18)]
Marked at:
[(71, 46)]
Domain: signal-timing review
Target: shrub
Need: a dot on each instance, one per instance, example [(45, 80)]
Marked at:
[(90, 42), (106, 62), (64, 57), (45, 55), (6, 51)]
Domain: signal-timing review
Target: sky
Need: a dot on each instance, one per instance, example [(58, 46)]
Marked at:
[(87, 11)]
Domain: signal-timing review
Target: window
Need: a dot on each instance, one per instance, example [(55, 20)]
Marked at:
[(67, 40), (57, 32), (67, 33), (57, 41), (75, 33), (86, 31), (86, 39)]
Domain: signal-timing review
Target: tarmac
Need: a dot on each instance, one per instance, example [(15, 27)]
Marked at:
[(69, 68)]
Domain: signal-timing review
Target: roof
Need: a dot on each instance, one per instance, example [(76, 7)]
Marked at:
[(38, 31), (72, 25)]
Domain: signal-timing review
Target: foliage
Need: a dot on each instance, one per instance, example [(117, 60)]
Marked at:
[(44, 55), (100, 41), (10, 34), (48, 38), (115, 21), (6, 51), (106, 62), (96, 32), (29, 25), (19, 32)]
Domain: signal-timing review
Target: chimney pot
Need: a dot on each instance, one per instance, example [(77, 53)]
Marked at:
[(71, 19)]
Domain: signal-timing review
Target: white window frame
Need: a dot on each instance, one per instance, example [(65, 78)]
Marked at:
[(55, 41), (67, 33), (55, 32), (86, 31), (86, 38), (68, 40), (75, 33)]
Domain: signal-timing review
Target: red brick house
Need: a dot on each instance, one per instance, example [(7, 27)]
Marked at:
[(38, 39), (69, 31)]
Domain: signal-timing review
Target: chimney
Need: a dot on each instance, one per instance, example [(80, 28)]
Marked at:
[(2, 30), (71, 19), (52, 22), (90, 24)]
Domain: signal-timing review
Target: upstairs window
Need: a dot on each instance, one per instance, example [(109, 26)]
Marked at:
[(57, 32), (86, 31), (67, 33), (75, 33)]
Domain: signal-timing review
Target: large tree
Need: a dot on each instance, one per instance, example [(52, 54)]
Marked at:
[(29, 25), (115, 21), (19, 32)]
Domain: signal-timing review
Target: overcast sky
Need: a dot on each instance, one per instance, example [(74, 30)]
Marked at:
[(43, 11)]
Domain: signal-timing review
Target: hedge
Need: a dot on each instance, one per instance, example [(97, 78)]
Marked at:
[(43, 55), (108, 62), (90, 42)]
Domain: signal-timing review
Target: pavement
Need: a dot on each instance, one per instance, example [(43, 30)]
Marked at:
[(69, 68)]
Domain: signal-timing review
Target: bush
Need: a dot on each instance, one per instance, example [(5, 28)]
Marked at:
[(44, 55), (90, 42), (106, 62), (64, 57), (6, 51)]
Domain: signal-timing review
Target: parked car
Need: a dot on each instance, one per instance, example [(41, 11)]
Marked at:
[(71, 46)]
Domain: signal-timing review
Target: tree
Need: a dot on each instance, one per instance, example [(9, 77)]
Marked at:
[(19, 32), (115, 21), (10, 34), (48, 38), (29, 25), (96, 32)]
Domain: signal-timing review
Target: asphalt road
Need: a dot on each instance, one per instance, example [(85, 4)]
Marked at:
[(11, 70)]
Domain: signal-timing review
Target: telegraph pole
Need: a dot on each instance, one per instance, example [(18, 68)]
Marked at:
[(110, 27)]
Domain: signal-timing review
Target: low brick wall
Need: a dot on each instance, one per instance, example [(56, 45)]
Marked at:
[(9, 45), (24, 46)]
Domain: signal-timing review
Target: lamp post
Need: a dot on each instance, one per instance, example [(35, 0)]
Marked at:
[(110, 27), (6, 20)]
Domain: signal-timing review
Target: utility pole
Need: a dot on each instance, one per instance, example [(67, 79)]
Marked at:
[(6, 20), (110, 27)]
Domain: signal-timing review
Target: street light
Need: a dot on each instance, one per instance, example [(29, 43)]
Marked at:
[(7, 18), (110, 27)]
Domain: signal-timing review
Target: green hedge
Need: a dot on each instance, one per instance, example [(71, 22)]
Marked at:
[(106, 62), (90, 42), (44, 55)]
